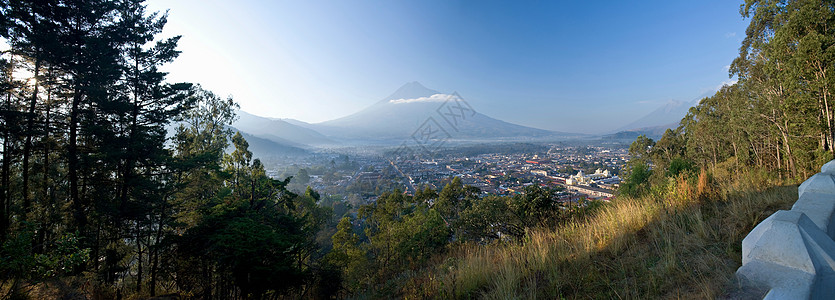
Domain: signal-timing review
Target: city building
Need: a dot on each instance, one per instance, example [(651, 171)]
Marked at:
[(582, 178)]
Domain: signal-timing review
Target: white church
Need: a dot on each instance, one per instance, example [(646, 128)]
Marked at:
[(582, 178)]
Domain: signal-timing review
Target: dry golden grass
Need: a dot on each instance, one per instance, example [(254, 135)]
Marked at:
[(681, 241)]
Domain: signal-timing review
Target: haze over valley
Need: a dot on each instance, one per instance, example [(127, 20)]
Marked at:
[(400, 117)]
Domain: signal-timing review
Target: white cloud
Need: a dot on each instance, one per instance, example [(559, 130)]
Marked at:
[(726, 68), (730, 35), (433, 98), (728, 82)]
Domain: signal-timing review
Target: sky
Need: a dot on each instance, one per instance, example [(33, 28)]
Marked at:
[(574, 66)]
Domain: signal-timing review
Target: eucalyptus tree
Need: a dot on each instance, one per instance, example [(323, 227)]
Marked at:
[(786, 63)]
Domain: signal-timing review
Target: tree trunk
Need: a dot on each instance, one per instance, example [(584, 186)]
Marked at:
[(152, 286), (46, 147), (779, 160), (45, 216), (72, 163), (46, 197), (96, 249), (139, 260), (831, 130), (789, 159), (27, 147), (5, 198)]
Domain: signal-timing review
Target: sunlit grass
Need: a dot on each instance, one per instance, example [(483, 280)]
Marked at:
[(681, 241)]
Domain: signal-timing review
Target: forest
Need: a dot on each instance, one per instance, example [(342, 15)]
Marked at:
[(778, 116), (123, 183), (116, 183)]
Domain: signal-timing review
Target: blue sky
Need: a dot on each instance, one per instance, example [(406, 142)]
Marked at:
[(579, 66)]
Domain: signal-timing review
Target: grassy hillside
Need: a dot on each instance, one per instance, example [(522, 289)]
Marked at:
[(682, 240)]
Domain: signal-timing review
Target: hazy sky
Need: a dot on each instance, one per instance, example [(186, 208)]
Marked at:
[(578, 66)]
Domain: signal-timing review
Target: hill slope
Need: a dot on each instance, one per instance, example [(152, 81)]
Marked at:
[(267, 148), (682, 244)]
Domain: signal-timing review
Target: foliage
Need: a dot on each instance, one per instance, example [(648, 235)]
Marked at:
[(19, 265), (679, 165), (670, 245), (92, 186), (636, 182), (400, 234)]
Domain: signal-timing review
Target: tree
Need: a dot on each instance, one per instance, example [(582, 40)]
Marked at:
[(635, 183), (536, 206), (488, 219), (454, 198), (640, 148), (96, 108), (400, 234), (255, 237), (87, 165), (347, 255), (785, 64)]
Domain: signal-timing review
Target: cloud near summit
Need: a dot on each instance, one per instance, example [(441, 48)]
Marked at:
[(433, 98)]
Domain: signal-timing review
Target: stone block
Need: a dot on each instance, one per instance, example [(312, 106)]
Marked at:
[(820, 208), (829, 168), (758, 275), (789, 254), (818, 183)]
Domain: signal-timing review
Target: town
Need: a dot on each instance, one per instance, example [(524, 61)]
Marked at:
[(578, 171)]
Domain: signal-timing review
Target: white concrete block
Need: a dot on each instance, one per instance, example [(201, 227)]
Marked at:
[(820, 208), (778, 240), (794, 284), (829, 168), (791, 255), (818, 183)]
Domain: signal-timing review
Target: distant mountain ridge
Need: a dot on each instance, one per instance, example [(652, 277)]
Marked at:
[(654, 124), (295, 122), (279, 131), (654, 132), (269, 149), (670, 113)]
